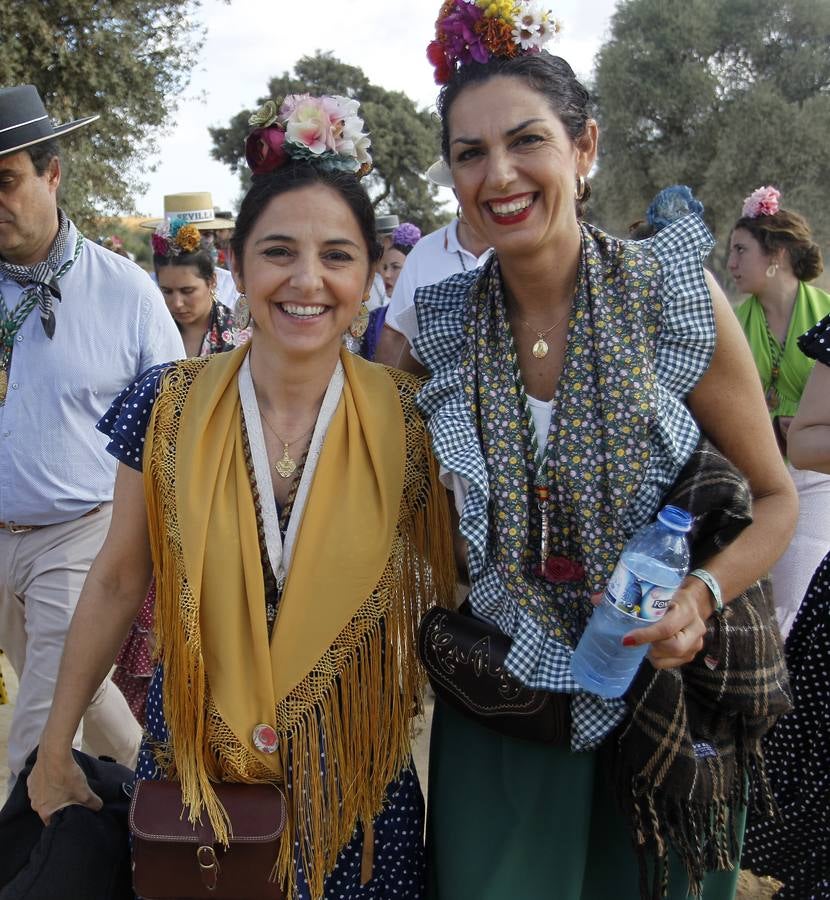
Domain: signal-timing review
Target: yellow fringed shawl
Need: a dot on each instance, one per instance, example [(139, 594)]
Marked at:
[(340, 672)]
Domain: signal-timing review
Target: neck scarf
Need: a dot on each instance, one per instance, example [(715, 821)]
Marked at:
[(811, 305), (42, 278), (340, 670), (598, 444)]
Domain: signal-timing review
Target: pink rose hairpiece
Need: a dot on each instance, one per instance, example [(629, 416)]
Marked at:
[(175, 237), (762, 202), (326, 131), (406, 235), (477, 30)]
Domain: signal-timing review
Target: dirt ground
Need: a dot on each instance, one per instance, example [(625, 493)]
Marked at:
[(750, 887)]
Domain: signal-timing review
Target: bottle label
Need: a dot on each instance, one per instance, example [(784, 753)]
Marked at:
[(637, 597), (655, 602), (625, 590)]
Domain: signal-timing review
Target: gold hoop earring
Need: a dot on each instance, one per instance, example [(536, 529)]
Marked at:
[(242, 312), (579, 192), (772, 269)]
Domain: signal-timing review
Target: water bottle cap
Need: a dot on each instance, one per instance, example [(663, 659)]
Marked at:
[(675, 518)]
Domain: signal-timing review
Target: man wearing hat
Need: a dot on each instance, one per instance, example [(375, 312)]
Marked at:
[(196, 208), (77, 324)]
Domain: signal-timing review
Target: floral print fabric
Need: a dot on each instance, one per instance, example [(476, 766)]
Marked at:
[(641, 334)]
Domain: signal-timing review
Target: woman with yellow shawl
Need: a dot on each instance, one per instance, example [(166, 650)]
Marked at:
[(772, 257), (293, 659)]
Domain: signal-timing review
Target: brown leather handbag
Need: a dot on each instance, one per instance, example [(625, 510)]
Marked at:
[(173, 860), (464, 659)]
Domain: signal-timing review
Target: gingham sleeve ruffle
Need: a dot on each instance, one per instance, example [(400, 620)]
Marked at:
[(687, 337), (442, 311), (683, 351)]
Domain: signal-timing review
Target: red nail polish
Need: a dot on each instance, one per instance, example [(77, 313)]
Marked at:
[(629, 641)]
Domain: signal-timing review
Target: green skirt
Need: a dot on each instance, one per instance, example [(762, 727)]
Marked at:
[(512, 819)]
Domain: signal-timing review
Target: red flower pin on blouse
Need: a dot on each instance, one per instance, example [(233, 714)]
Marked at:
[(560, 569)]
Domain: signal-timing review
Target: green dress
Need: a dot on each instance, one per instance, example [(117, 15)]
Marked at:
[(508, 819)]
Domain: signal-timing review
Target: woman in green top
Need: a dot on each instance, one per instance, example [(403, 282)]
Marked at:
[(772, 257)]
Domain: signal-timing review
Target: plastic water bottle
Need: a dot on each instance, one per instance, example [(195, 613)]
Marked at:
[(653, 564)]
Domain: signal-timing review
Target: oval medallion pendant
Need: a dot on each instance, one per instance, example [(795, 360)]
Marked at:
[(540, 348), (265, 739)]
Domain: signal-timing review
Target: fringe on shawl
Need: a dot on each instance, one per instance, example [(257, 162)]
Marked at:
[(356, 705)]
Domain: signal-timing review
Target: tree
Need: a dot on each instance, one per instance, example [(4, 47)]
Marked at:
[(405, 140), (126, 60), (723, 95)]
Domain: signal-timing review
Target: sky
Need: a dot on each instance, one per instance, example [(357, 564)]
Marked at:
[(250, 41)]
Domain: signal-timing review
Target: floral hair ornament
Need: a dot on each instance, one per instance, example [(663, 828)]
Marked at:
[(175, 237), (324, 130), (406, 235), (763, 202), (477, 30)]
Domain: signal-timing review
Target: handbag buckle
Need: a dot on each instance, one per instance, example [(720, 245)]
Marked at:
[(209, 864)]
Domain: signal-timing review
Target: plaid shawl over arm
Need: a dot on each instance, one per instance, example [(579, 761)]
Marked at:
[(682, 760)]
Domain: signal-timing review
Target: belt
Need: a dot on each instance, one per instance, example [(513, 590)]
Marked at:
[(14, 528)]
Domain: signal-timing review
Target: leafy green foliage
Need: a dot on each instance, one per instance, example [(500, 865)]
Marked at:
[(722, 95), (125, 60), (405, 140)]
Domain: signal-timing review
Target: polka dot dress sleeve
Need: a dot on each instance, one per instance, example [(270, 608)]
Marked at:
[(816, 342), (125, 422)]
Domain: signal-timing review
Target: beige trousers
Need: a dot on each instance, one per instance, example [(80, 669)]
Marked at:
[(41, 576)]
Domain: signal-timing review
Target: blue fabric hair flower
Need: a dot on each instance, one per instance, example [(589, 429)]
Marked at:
[(671, 204)]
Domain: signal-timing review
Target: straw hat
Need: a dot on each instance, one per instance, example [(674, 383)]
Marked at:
[(24, 120), (196, 208)]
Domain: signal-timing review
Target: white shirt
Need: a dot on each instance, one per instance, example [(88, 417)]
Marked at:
[(226, 292), (110, 325), (434, 258)]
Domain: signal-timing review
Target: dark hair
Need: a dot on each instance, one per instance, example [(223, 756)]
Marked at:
[(292, 177), (550, 75), (42, 154), (201, 260), (788, 231), (402, 248)]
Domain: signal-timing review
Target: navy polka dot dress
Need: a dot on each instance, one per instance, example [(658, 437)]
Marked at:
[(795, 847), (398, 870)]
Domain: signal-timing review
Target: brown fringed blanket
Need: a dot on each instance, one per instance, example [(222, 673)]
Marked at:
[(683, 760)]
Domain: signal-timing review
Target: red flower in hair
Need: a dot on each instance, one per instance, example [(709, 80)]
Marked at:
[(438, 59), (264, 150)]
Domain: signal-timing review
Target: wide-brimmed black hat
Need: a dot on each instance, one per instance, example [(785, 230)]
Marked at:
[(24, 120)]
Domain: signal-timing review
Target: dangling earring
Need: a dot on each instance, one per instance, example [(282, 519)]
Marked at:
[(360, 322), (772, 269), (214, 297), (459, 213), (242, 312), (579, 192)]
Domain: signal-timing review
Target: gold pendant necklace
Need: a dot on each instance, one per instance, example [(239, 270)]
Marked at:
[(286, 465), (540, 348)]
